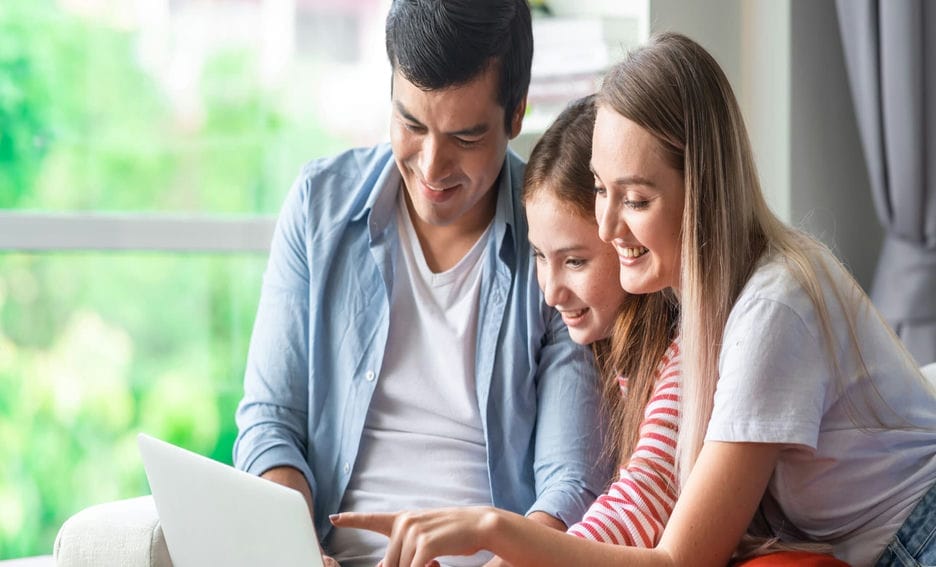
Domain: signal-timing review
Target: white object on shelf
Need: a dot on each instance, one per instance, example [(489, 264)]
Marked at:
[(568, 46), (571, 54)]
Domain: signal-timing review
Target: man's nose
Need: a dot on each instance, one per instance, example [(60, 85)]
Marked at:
[(435, 160)]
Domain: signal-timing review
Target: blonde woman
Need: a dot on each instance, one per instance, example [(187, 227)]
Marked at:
[(798, 385)]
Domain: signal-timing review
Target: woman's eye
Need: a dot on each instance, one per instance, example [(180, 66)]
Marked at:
[(636, 205), (575, 262), (599, 190)]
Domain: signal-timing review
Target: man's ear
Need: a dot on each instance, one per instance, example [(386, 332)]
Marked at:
[(516, 121)]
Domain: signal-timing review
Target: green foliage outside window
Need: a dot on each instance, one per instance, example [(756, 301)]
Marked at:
[(93, 349), (97, 346), (83, 126)]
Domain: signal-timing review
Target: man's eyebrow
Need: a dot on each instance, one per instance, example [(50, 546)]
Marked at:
[(627, 179), (405, 113), (471, 131)]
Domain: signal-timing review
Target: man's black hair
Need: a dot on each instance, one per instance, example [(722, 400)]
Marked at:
[(435, 44)]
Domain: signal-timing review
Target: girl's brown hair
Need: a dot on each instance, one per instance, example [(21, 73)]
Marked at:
[(645, 324)]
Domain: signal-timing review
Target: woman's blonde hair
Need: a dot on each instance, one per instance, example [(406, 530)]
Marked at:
[(673, 88), (643, 329)]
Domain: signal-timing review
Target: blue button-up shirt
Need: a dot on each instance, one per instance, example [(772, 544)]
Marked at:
[(321, 331)]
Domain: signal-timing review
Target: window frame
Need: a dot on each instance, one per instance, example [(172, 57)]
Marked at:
[(96, 231)]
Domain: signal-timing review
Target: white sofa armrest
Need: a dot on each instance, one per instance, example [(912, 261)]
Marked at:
[(125, 533), (929, 372)]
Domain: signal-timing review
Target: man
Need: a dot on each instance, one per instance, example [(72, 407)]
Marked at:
[(402, 356)]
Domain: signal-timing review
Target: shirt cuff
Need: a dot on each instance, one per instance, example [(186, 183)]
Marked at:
[(562, 505), (281, 455)]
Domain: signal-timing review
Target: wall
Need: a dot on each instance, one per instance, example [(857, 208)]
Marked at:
[(784, 59), (715, 24)]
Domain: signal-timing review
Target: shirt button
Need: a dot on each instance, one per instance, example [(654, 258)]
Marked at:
[(369, 375), (347, 468)]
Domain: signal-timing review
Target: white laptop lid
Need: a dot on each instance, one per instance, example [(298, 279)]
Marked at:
[(213, 514)]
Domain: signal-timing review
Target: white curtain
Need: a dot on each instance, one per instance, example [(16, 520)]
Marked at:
[(890, 52)]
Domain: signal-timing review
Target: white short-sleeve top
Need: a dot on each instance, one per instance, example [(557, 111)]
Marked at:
[(842, 478)]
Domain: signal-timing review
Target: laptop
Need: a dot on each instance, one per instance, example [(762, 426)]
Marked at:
[(213, 514)]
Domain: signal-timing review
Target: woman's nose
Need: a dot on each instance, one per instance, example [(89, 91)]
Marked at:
[(610, 224)]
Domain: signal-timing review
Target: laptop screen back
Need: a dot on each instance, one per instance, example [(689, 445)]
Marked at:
[(213, 514)]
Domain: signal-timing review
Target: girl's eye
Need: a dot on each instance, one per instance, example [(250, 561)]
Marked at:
[(636, 205), (575, 262), (538, 255), (599, 190)]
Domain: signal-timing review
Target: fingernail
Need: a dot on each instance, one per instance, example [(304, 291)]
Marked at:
[(334, 518)]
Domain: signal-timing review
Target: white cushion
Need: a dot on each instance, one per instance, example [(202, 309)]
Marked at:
[(125, 533)]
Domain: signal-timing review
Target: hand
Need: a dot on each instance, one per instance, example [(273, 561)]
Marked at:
[(416, 538), (539, 517), (329, 562)]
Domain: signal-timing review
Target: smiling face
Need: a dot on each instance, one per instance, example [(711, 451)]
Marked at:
[(575, 269), (449, 146), (638, 204)]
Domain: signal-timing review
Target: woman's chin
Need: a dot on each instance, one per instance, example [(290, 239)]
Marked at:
[(585, 336), (636, 286)]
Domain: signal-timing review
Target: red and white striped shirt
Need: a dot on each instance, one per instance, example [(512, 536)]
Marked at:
[(637, 506)]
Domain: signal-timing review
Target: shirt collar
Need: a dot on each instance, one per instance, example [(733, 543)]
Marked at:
[(382, 202)]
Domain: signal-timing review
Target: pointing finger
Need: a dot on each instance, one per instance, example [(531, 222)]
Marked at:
[(380, 523)]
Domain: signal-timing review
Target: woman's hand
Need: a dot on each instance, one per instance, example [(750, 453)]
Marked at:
[(417, 538)]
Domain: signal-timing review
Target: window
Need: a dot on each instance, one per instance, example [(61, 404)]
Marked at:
[(145, 148), (183, 106)]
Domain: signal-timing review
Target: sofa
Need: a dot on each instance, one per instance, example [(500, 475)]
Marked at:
[(124, 533)]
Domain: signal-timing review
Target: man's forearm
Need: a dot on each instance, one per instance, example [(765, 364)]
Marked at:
[(547, 520), (293, 478)]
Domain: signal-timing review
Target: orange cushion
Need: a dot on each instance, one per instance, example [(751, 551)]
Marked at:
[(793, 558)]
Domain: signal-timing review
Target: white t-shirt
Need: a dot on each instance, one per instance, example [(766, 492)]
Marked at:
[(423, 444), (835, 482)]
